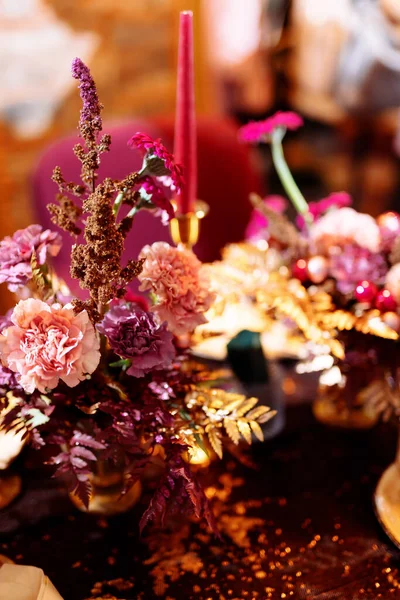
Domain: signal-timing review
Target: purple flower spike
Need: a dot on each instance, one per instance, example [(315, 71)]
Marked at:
[(91, 110)]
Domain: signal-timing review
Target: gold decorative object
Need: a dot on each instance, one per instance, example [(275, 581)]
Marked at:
[(341, 403), (185, 228), (387, 500), (107, 491), (220, 412)]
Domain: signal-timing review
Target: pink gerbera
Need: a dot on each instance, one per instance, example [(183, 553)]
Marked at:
[(150, 147), (161, 179), (259, 131)]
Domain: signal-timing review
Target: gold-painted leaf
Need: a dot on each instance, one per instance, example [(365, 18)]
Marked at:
[(336, 348), (233, 406), (231, 429), (371, 322), (257, 412), (258, 432), (267, 416), (214, 437), (338, 319), (246, 406), (244, 429)]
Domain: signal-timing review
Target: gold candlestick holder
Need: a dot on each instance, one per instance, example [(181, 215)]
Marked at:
[(185, 228)]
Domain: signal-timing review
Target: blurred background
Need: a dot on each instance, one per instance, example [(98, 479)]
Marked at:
[(337, 62)]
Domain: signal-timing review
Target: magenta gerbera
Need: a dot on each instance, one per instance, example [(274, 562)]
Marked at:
[(150, 147), (259, 131)]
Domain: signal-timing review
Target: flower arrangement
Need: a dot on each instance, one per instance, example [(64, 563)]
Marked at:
[(96, 378), (339, 275)]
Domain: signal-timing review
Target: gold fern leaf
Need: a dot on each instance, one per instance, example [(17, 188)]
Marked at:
[(257, 412), (336, 348), (232, 430), (234, 405), (256, 429), (214, 437), (246, 406), (338, 319), (267, 416), (371, 323), (244, 428)]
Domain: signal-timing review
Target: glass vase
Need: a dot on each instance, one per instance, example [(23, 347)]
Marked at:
[(107, 495), (343, 398)]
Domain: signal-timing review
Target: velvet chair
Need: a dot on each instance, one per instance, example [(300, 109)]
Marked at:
[(226, 177)]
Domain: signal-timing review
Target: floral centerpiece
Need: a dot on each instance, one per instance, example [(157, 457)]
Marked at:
[(338, 278), (101, 381)]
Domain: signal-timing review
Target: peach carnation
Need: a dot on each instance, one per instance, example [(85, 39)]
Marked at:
[(345, 226), (47, 343), (180, 283), (393, 282)]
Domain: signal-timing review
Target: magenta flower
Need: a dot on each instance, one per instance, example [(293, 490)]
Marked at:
[(161, 178), (352, 264), (180, 283), (259, 131), (133, 334), (317, 209), (155, 148), (160, 196), (91, 109), (257, 228), (16, 254), (47, 343)]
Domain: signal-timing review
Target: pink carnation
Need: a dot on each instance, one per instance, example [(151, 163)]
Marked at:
[(48, 343), (180, 283), (258, 131), (345, 226), (317, 209), (16, 254), (393, 282)]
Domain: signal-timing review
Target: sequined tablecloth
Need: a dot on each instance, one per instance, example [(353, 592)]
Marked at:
[(301, 526)]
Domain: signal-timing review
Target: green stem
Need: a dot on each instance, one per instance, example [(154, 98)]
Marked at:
[(118, 203), (291, 188), (132, 212)]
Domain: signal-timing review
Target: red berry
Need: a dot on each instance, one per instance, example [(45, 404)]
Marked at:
[(366, 291), (299, 270), (385, 302)]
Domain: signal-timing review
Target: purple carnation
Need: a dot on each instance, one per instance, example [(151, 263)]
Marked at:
[(133, 334), (354, 264), (91, 110), (16, 254)]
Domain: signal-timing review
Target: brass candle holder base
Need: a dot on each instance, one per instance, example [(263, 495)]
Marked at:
[(185, 228)]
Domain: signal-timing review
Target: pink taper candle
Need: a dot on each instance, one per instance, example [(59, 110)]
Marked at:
[(185, 124)]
